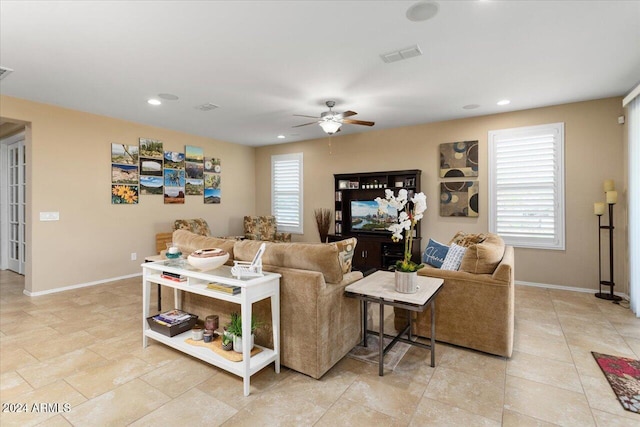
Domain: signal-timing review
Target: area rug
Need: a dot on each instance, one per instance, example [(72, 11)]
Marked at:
[(624, 377), (371, 352)]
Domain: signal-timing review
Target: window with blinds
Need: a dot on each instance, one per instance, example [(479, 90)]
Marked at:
[(286, 192), (526, 186)]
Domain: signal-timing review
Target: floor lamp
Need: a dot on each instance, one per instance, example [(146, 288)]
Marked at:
[(598, 209)]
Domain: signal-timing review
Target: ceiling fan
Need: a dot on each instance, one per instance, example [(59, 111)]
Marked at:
[(330, 121)]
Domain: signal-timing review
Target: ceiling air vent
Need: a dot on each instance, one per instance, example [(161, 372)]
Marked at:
[(4, 72), (207, 107), (399, 55)]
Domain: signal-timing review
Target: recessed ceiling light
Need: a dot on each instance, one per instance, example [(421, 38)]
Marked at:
[(422, 11), (504, 102), (168, 96), (154, 101), (281, 137), (471, 106)]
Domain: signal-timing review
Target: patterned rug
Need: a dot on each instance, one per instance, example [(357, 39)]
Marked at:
[(371, 353), (624, 377)]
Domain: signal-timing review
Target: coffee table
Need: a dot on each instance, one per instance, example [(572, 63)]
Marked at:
[(379, 287)]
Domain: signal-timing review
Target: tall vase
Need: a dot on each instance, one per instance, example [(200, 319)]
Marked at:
[(406, 282)]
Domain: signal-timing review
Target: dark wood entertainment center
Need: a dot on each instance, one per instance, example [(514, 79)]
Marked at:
[(375, 248)]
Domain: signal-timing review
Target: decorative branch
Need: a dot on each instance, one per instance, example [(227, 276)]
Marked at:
[(323, 221)]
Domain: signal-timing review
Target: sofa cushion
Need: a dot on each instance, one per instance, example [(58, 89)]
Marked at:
[(188, 242), (322, 257), (467, 239), (483, 258), (454, 258), (346, 249), (435, 253)]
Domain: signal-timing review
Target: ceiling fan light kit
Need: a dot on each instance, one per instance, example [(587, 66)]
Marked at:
[(330, 126), (330, 121)]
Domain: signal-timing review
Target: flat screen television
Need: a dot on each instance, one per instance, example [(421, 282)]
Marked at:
[(365, 217)]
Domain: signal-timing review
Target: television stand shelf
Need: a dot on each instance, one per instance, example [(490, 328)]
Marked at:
[(357, 192)]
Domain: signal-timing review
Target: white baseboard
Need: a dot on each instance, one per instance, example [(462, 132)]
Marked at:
[(565, 288), (81, 285)]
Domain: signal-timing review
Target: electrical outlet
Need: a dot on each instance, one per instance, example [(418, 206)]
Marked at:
[(134, 256)]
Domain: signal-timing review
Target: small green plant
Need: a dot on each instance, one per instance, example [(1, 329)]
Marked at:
[(235, 326), (226, 337)]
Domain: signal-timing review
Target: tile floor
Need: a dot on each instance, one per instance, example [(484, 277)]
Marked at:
[(63, 349)]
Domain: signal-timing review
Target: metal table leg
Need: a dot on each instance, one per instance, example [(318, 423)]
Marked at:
[(381, 341), (365, 323), (433, 333)]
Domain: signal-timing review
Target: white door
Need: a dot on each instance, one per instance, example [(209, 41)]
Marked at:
[(15, 245)]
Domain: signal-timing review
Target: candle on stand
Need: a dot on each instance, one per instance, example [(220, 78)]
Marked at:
[(612, 197), (598, 208), (608, 185)]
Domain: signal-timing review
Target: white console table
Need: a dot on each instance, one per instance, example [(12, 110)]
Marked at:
[(252, 290)]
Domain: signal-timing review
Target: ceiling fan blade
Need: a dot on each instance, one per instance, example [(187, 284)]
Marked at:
[(306, 124), (358, 122), (301, 115), (348, 113)]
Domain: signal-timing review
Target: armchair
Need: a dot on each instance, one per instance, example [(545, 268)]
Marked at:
[(263, 228)]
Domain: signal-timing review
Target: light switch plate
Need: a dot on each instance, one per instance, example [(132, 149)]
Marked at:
[(49, 216)]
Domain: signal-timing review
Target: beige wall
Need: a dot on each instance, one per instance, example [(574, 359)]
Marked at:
[(593, 153), (69, 171)]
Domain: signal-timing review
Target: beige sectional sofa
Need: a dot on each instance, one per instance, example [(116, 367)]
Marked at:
[(318, 324), (475, 308)]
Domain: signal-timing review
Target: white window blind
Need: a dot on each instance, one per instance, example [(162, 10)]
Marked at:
[(526, 186), (286, 191)]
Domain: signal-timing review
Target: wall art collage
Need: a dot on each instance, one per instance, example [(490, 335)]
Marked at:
[(459, 197), (146, 169)]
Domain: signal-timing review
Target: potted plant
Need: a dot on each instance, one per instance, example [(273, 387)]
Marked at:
[(235, 328), (410, 211), (227, 340)]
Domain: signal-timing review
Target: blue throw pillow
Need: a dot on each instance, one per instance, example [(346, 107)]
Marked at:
[(435, 253)]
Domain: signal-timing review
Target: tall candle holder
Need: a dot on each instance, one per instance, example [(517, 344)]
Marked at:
[(612, 197)]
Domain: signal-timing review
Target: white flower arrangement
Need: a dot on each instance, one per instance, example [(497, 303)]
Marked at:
[(410, 211)]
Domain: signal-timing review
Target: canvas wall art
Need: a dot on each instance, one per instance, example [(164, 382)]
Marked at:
[(459, 159), (459, 198), (212, 193), (151, 148), (125, 174)]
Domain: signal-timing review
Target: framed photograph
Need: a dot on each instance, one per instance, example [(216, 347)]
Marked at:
[(338, 215), (354, 185), (343, 184)]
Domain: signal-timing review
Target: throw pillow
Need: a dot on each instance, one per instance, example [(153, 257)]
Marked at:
[(454, 258), (435, 253), (483, 258), (467, 239), (346, 249)]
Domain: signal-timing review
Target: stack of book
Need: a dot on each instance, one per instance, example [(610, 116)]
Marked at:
[(176, 277), (221, 287), (172, 322)]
